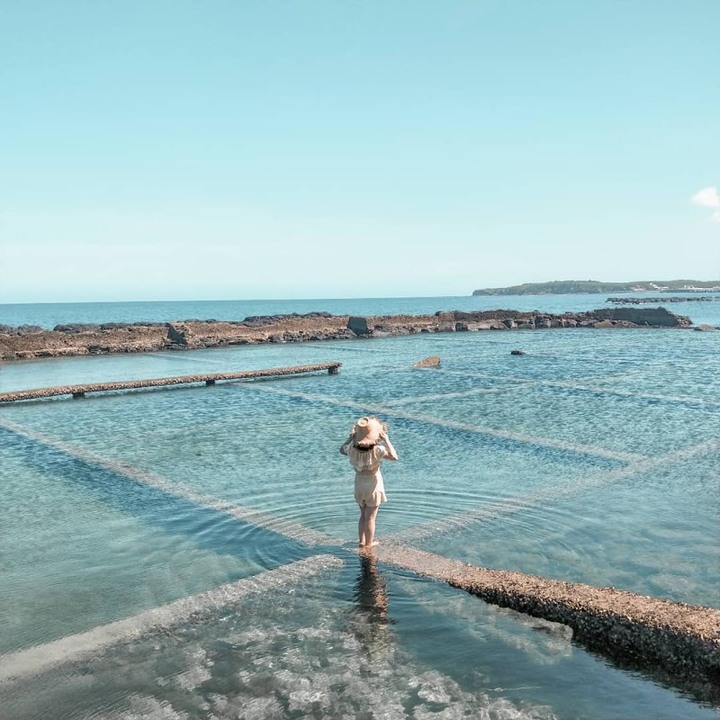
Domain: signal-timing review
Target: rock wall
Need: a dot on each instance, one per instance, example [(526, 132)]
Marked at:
[(78, 339)]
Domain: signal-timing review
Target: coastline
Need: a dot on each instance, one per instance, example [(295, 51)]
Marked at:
[(27, 342)]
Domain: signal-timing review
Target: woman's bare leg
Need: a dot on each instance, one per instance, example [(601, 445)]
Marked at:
[(366, 525), (361, 527), (370, 515)]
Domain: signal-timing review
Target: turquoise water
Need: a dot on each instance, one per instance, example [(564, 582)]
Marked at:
[(592, 458)]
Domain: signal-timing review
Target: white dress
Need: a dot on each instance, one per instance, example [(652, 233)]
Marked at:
[(369, 485)]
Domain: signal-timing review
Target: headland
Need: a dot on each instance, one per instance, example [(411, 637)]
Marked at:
[(565, 287)]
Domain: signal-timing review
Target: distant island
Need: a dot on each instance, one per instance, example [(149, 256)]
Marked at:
[(567, 287)]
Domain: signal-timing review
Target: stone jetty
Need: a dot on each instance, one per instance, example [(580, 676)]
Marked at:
[(17, 343), (78, 391)]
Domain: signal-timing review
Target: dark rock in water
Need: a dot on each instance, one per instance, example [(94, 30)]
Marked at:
[(446, 322), (655, 317), (431, 361), (517, 352), (704, 328), (258, 320), (317, 314), (73, 328), (177, 335), (359, 326), (21, 330), (29, 330)]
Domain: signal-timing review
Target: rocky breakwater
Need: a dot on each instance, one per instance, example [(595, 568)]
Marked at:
[(30, 341), (83, 339), (655, 300), (457, 321)]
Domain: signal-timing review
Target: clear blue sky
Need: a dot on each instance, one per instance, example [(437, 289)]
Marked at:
[(232, 149)]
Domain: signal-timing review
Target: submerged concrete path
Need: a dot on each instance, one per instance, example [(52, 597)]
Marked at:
[(677, 636), (78, 391), (73, 648), (680, 638)]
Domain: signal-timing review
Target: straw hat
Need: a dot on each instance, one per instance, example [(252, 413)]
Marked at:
[(367, 430)]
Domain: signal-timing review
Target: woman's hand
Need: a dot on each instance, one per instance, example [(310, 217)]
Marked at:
[(392, 455)]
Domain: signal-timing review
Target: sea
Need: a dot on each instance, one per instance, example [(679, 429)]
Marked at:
[(48, 315), (190, 552)]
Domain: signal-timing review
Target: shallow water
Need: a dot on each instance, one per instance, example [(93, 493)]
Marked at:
[(592, 458)]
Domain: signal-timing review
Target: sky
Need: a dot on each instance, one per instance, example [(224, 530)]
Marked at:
[(254, 149)]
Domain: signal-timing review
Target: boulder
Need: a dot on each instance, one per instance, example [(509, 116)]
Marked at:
[(446, 322), (177, 334), (655, 317), (431, 361), (29, 330), (76, 328), (359, 326)]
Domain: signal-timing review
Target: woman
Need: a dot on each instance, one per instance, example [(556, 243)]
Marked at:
[(366, 447)]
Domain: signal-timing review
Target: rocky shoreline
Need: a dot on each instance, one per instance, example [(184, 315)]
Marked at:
[(28, 342)]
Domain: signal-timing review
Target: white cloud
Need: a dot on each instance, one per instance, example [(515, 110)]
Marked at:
[(707, 197), (710, 198)]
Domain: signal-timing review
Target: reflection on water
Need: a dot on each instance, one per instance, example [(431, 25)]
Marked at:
[(370, 620)]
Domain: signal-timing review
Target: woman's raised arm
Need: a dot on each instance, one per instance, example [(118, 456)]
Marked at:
[(391, 453), (344, 447)]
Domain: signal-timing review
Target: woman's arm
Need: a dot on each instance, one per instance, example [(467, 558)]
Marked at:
[(391, 453), (344, 447)]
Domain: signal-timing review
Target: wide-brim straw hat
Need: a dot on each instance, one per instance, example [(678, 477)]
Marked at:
[(368, 430)]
